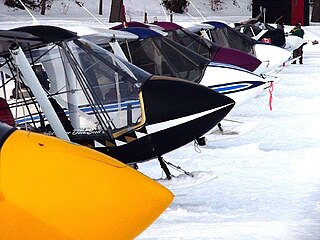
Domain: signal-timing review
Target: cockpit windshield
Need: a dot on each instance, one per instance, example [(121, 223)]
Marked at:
[(194, 42), (90, 89), (162, 56), (231, 39)]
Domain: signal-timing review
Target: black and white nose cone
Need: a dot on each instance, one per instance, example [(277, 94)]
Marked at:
[(175, 99), (176, 113)]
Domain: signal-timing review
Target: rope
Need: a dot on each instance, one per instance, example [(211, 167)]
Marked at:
[(178, 168)]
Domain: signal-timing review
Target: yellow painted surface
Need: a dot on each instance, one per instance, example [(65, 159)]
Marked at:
[(50, 189)]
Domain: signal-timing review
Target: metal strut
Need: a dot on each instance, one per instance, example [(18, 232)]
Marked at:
[(164, 165)]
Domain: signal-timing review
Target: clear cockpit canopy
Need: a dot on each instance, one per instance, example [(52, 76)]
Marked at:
[(194, 42), (162, 56), (87, 86), (229, 38)]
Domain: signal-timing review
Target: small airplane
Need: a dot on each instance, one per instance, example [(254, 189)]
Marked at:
[(202, 46), (52, 189), (266, 33), (156, 53), (222, 34), (60, 84)]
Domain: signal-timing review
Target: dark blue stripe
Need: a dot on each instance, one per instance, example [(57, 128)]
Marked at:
[(231, 88), (109, 107)]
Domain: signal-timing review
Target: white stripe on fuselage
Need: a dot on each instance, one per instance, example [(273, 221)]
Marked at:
[(175, 122)]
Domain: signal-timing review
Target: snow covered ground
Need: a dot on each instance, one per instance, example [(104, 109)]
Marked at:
[(265, 181)]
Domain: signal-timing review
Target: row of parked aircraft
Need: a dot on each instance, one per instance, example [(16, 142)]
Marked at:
[(124, 95)]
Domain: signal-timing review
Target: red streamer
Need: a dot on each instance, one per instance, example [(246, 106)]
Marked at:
[(270, 98)]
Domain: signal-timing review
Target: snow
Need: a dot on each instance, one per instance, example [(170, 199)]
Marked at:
[(267, 184), (265, 180)]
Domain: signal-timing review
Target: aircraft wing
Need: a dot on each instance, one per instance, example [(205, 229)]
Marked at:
[(33, 36), (8, 37)]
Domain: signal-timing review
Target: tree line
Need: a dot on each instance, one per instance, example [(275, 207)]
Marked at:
[(116, 12)]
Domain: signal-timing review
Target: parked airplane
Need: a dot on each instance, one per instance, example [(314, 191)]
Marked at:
[(202, 46), (158, 54), (59, 84), (268, 33), (226, 36)]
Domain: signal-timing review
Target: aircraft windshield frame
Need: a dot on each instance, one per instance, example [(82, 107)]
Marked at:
[(137, 74), (232, 39), (70, 87), (111, 87), (162, 56), (185, 33), (194, 42)]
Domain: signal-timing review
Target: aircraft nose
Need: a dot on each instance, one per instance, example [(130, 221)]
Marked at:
[(52, 189), (274, 56), (174, 98)]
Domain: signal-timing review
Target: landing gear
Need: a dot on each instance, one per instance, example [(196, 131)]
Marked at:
[(201, 141), (165, 168), (164, 165)]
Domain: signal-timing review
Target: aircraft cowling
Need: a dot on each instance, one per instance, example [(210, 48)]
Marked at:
[(185, 111), (52, 189), (177, 98), (274, 56)]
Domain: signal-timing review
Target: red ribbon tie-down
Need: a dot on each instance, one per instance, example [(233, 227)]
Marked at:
[(270, 98)]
